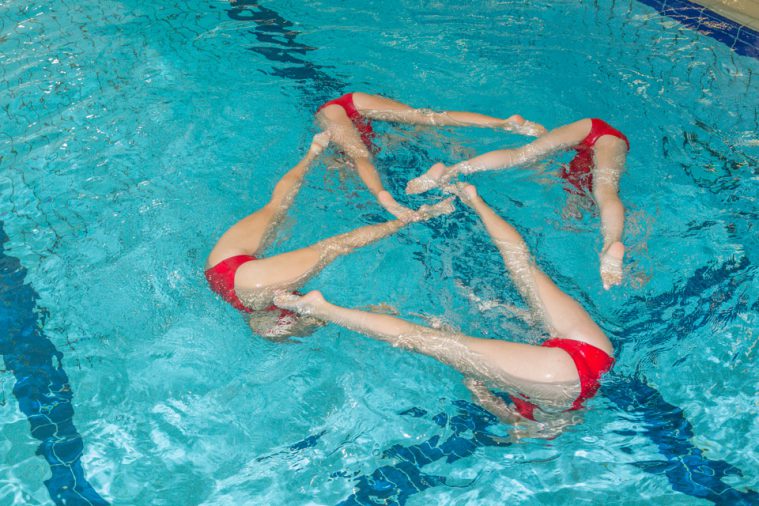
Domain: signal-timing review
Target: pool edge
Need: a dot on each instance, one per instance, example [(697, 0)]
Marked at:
[(742, 39)]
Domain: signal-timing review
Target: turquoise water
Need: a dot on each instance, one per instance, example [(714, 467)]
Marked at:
[(132, 135)]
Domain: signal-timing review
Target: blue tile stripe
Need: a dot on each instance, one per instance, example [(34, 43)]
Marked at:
[(277, 42), (742, 39), (686, 467), (42, 388)]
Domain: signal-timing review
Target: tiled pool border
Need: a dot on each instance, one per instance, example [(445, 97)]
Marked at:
[(42, 387), (740, 38)]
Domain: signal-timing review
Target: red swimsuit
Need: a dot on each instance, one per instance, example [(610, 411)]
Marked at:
[(221, 277), (591, 363), (363, 125), (579, 172)]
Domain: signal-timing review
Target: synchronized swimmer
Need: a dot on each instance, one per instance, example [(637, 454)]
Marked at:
[(237, 272), (349, 121), (597, 167), (543, 381), (558, 375)]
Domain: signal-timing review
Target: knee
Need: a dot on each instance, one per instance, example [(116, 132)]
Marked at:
[(606, 196)]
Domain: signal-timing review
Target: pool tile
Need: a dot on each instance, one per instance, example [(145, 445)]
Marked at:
[(656, 4), (747, 43), (719, 27), (748, 37), (742, 39), (686, 12)]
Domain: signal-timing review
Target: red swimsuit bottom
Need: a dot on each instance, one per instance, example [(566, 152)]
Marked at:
[(363, 125), (591, 363), (579, 172), (221, 277)]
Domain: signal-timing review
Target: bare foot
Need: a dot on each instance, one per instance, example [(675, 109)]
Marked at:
[(533, 129), (319, 142), (464, 191), (518, 124), (611, 265), (427, 181), (429, 211), (403, 213), (514, 119), (301, 304)]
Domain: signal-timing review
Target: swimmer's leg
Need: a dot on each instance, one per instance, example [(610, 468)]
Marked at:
[(347, 138), (292, 269), (385, 109), (511, 365), (561, 314), (555, 140), (251, 234), (609, 165)]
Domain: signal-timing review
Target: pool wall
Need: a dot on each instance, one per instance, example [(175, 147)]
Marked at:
[(742, 39)]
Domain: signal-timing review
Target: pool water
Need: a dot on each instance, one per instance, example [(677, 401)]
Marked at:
[(134, 133)]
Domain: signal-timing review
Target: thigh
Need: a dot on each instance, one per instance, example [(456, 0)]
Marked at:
[(288, 270), (526, 362), (375, 102), (564, 316), (609, 156), (342, 131), (541, 373), (563, 137), (244, 237)]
